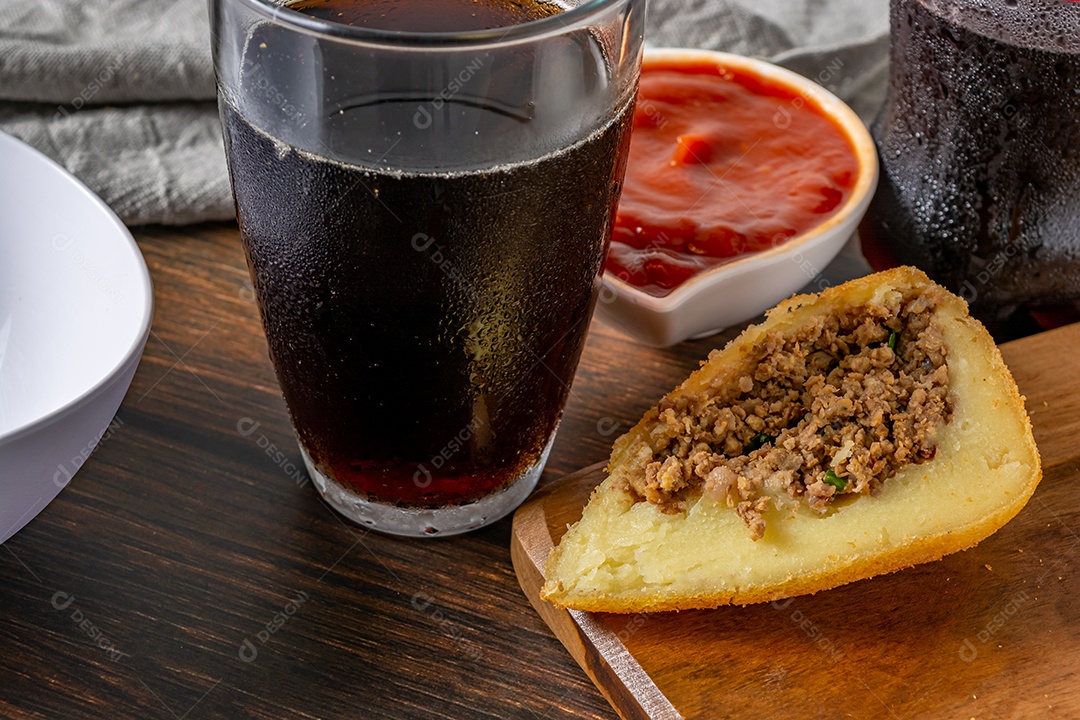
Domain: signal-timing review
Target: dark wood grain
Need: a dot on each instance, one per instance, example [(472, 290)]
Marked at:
[(192, 527), (993, 632)]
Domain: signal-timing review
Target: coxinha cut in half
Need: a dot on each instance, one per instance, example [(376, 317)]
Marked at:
[(856, 432)]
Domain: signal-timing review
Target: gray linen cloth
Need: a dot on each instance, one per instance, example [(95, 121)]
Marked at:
[(121, 92)]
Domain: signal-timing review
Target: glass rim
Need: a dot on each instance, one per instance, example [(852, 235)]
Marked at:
[(276, 11)]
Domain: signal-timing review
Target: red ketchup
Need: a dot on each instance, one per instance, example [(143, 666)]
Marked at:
[(723, 164)]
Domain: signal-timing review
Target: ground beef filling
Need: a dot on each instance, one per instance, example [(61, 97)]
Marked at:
[(834, 408)]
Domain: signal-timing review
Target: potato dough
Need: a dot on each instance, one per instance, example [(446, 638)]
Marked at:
[(626, 555)]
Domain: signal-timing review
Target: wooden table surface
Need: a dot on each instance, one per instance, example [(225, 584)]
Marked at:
[(191, 571)]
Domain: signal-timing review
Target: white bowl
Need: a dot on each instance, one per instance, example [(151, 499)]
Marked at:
[(75, 311), (744, 288)]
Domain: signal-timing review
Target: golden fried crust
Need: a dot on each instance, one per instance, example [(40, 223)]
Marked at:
[(985, 471)]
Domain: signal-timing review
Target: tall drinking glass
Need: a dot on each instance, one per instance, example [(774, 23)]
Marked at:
[(425, 216), (979, 140)]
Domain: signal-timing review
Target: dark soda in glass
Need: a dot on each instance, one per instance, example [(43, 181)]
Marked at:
[(979, 143), (425, 324)]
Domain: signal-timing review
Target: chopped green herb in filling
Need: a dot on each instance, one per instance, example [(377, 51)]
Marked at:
[(836, 406)]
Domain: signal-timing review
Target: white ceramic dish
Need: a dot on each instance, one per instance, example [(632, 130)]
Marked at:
[(746, 287), (75, 311)]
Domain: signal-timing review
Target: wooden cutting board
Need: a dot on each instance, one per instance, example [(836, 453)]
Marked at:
[(992, 632)]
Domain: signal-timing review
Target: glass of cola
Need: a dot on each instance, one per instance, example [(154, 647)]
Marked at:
[(979, 141), (425, 191)]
